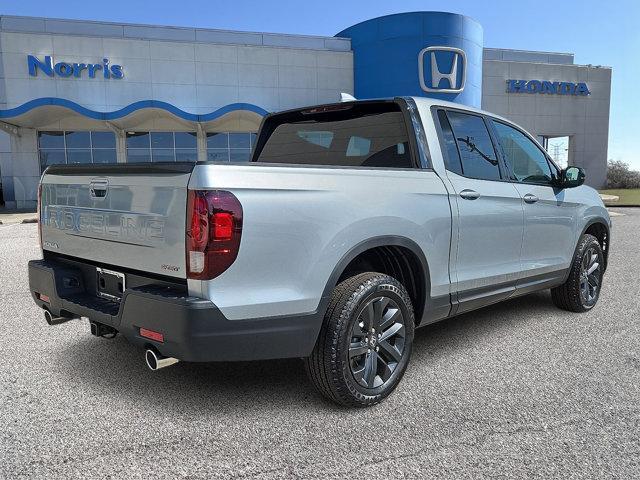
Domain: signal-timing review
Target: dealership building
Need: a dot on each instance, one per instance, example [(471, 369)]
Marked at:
[(98, 92)]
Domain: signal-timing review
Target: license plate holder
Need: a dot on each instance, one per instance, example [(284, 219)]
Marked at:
[(110, 284)]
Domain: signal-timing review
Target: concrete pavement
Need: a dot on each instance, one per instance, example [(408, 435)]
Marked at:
[(520, 389)]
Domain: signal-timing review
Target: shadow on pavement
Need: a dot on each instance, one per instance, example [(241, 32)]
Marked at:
[(108, 367)]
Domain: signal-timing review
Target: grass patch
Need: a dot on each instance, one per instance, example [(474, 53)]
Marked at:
[(629, 196)]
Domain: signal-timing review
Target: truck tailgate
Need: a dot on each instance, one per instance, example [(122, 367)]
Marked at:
[(132, 216)]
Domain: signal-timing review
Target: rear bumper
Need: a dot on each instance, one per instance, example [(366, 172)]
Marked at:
[(194, 329)]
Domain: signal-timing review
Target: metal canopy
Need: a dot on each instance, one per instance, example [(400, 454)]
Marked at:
[(149, 115)]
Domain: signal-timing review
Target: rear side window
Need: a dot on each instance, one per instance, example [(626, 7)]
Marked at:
[(451, 155), (350, 137), (478, 157)]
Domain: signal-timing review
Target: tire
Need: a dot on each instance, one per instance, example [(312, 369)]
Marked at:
[(581, 291), (352, 365)]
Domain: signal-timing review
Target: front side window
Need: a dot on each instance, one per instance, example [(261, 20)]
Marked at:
[(478, 157), (525, 160), (347, 137)]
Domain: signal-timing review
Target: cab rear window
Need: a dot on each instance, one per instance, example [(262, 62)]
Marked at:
[(354, 135)]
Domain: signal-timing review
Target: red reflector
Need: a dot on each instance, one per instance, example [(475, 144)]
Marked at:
[(44, 298), (150, 334), (222, 226)]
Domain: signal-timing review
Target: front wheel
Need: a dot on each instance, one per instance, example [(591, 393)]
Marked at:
[(365, 343), (581, 291)]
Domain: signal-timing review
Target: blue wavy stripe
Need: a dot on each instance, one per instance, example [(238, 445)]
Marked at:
[(129, 109)]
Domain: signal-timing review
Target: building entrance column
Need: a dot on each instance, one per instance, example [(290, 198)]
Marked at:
[(202, 143)]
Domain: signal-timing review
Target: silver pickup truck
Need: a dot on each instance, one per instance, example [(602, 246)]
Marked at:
[(353, 224)]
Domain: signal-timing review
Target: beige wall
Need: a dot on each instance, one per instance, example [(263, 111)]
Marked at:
[(585, 119), (196, 76)]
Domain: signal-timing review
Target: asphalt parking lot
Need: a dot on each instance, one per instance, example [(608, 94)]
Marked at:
[(519, 389)]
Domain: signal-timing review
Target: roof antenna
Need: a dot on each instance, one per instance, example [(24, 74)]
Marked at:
[(345, 97)]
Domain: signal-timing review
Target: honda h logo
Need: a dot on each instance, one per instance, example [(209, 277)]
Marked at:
[(448, 69)]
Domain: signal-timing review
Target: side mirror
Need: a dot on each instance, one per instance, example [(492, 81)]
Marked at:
[(571, 177)]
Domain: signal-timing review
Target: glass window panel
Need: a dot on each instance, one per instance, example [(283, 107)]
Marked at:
[(474, 143), (358, 146), (106, 155), (161, 139), (253, 139), (240, 155), (138, 155), (163, 154), (186, 140), (217, 140), (186, 155), (78, 139), (451, 157), (79, 156), (51, 157), (322, 139), (239, 140), (525, 160), (137, 139), (218, 155), (354, 139), (103, 140), (51, 139)]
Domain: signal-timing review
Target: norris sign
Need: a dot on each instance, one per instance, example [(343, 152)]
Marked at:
[(68, 69)]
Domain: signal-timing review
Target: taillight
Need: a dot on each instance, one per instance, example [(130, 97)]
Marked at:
[(214, 229), (222, 226), (39, 213)]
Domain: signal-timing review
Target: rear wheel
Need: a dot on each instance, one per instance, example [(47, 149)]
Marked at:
[(365, 343), (581, 291)]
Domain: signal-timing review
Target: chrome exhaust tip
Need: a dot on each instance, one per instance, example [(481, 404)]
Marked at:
[(155, 361), (51, 320)]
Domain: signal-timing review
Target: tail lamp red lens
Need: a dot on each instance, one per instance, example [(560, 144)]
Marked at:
[(213, 233), (222, 226)]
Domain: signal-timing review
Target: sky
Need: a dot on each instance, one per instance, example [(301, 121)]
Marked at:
[(597, 32)]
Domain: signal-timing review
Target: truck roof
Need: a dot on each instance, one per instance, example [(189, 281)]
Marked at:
[(424, 102), (429, 102)]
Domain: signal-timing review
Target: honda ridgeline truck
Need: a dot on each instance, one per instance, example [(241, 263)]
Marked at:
[(353, 224)]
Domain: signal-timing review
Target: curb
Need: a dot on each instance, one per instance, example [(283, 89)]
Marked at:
[(23, 221), (621, 206), (609, 198)]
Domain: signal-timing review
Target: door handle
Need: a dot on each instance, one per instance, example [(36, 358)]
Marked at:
[(530, 198), (469, 194)]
